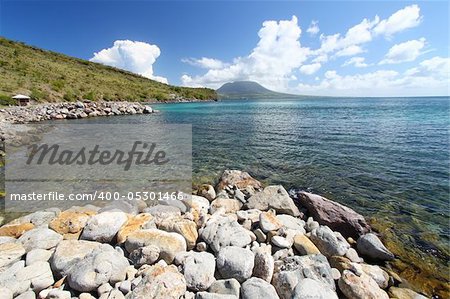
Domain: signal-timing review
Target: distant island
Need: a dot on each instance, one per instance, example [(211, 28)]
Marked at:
[(252, 90), (47, 76)]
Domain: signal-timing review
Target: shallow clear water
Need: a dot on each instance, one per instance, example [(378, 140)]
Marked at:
[(386, 158)]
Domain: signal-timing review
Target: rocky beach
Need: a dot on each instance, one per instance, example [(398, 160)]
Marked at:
[(239, 239)]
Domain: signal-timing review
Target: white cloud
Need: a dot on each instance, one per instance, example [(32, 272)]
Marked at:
[(431, 77), (271, 63), (356, 61), (403, 19), (206, 63), (313, 28), (133, 56), (350, 51), (309, 69), (404, 52)]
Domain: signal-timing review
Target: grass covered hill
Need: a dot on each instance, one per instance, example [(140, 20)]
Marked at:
[(51, 77), (252, 90)]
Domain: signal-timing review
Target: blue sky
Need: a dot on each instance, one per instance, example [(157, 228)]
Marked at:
[(356, 48)]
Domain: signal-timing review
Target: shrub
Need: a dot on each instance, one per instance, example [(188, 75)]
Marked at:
[(6, 100)]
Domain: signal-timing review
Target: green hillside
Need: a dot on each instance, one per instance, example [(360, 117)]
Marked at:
[(50, 77)]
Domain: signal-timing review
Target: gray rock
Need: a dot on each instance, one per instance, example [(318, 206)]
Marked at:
[(42, 238), (207, 191), (311, 224), (257, 288), (125, 286), (273, 197), (352, 255), (104, 226), (38, 274), (289, 271), (128, 207), (221, 231), (206, 295), (198, 269), (226, 286), (312, 289), (371, 246), (260, 235), (42, 218), (10, 253), (38, 255), (104, 288), (264, 264), (235, 262), (292, 223), (69, 253), (239, 196), (103, 264), (144, 255), (329, 242), (377, 274)]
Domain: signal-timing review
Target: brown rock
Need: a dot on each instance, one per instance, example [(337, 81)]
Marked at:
[(184, 227), (15, 230), (403, 293), (334, 215), (237, 178), (304, 245), (70, 223), (133, 224), (230, 205), (360, 287)]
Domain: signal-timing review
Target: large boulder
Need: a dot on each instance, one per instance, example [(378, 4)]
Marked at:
[(273, 197), (360, 287), (238, 179), (38, 275), (229, 205), (71, 223), (104, 264), (103, 227), (198, 269), (43, 238), (329, 243), (289, 271), (371, 246), (169, 244), (160, 281), (257, 288), (222, 231), (235, 262), (69, 253), (334, 215)]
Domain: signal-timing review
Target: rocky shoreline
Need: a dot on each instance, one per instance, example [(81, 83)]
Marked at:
[(235, 240), (64, 110)]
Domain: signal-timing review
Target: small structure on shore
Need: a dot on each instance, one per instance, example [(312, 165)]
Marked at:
[(22, 100)]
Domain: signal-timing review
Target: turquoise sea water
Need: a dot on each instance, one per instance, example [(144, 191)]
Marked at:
[(387, 158)]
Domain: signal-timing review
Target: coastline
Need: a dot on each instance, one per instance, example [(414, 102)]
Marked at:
[(132, 113), (329, 246)]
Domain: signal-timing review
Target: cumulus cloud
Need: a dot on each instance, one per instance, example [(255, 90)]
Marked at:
[(309, 69), (313, 28), (403, 19), (431, 77), (356, 61), (136, 57), (404, 52), (272, 62), (206, 63), (350, 51)]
